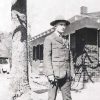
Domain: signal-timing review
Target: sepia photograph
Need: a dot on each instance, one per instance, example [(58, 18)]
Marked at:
[(50, 50)]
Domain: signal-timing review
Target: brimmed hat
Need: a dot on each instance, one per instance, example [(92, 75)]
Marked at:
[(59, 19)]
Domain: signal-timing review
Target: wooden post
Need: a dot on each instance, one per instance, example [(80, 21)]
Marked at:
[(98, 43)]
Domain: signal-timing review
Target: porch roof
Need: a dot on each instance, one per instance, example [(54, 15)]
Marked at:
[(86, 22)]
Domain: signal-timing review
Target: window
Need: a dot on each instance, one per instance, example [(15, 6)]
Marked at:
[(41, 52), (3, 61), (34, 50), (38, 52), (99, 39)]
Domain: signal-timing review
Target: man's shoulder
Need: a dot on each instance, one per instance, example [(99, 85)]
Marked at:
[(49, 37)]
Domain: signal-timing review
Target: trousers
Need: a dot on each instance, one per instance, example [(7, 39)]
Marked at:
[(65, 87)]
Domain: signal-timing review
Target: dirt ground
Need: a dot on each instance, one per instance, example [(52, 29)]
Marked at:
[(39, 92)]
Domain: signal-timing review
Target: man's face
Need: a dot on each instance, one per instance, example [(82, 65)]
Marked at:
[(61, 27)]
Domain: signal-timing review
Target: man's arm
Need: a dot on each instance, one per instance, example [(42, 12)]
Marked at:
[(48, 57)]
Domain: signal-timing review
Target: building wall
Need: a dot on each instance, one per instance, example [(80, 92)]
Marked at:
[(36, 63)]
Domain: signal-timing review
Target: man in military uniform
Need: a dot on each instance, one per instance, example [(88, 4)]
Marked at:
[(57, 61)]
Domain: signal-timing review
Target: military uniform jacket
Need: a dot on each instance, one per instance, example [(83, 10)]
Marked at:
[(56, 56)]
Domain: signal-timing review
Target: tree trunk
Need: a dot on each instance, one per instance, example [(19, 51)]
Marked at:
[(19, 71)]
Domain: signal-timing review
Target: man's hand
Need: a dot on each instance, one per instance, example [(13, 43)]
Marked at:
[(73, 77), (51, 78)]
